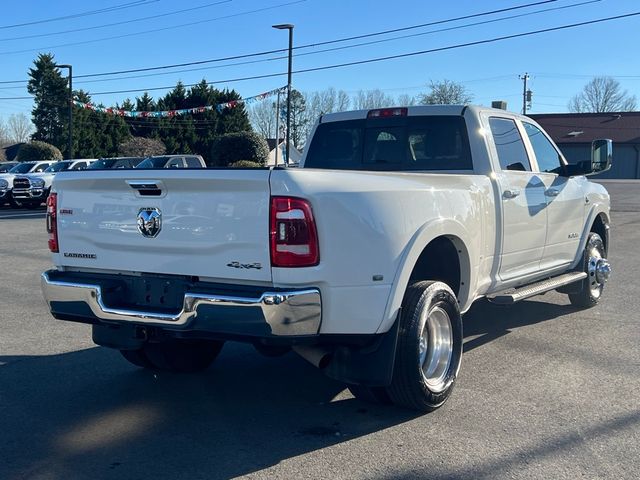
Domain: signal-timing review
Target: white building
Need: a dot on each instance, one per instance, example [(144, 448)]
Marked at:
[(296, 155)]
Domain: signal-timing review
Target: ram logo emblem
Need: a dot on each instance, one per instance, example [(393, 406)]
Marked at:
[(149, 222)]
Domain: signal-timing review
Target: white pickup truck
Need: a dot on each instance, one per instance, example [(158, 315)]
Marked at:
[(362, 260)]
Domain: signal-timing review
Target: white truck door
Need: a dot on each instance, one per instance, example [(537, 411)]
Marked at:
[(565, 202), (523, 204)]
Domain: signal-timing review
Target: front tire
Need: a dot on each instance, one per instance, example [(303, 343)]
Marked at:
[(597, 268), (429, 349)]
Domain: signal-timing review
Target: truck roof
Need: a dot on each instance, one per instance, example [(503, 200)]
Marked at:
[(417, 110)]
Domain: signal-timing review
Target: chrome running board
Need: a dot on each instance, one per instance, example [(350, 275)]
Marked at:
[(514, 295)]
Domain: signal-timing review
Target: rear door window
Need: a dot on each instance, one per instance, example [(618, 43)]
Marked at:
[(174, 163), (509, 145), (193, 162)]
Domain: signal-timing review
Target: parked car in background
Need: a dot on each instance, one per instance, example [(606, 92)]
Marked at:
[(173, 161), (115, 162), (20, 168), (6, 166), (32, 190)]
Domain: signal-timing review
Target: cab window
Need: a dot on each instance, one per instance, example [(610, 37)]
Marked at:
[(509, 145), (175, 163), (546, 154)]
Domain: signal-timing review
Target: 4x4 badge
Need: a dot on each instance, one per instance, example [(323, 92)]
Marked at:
[(149, 222)]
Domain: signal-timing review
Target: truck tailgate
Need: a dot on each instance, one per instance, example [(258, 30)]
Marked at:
[(213, 223)]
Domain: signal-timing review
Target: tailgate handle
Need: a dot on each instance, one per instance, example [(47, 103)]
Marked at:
[(146, 188)]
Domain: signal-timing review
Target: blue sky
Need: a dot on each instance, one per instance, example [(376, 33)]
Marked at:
[(560, 63)]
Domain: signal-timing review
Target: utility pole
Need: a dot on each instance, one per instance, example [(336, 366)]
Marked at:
[(289, 27), (277, 127), (526, 94)]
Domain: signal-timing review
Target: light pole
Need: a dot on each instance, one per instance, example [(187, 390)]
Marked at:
[(70, 144), (288, 26)]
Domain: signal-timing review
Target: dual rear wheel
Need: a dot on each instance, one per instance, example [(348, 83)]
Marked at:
[(428, 352)]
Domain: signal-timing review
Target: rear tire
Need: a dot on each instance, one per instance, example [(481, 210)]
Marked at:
[(592, 287), (182, 356), (429, 349)]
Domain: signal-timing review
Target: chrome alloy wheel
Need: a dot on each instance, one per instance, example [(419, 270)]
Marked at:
[(436, 349), (599, 270)]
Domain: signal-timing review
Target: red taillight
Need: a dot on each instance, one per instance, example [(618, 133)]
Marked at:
[(387, 112), (294, 239), (52, 221)]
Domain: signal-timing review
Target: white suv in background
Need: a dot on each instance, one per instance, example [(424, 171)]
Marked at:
[(7, 179), (32, 190)]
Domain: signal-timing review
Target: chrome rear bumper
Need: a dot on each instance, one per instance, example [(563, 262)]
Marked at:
[(278, 313)]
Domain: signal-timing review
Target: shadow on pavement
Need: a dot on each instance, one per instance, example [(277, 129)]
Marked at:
[(89, 414), (487, 322)]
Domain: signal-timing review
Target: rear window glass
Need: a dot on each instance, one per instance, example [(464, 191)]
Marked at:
[(401, 143)]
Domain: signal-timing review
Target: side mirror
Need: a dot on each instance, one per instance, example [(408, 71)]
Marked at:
[(601, 153)]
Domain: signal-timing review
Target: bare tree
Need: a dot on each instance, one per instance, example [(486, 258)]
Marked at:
[(4, 134), (20, 128), (343, 101), (263, 117), (142, 147), (446, 92), (324, 101), (406, 100), (372, 99), (602, 94)]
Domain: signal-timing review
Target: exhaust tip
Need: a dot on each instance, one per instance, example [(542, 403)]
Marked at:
[(317, 356)]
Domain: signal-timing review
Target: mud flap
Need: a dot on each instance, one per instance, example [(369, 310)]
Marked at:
[(371, 365)]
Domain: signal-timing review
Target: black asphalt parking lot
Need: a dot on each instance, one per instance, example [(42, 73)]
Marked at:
[(545, 392)]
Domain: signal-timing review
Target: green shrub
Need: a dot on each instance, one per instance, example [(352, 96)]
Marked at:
[(36, 150), (246, 164), (238, 146)]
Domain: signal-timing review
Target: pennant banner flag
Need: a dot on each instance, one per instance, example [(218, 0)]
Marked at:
[(174, 113)]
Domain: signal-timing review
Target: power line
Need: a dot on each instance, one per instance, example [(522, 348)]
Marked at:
[(458, 27), (311, 45), (95, 27), (390, 57), (468, 44), (190, 24), (114, 8), (403, 55)]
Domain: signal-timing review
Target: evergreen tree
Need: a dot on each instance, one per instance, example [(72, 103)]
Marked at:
[(51, 97), (177, 133), (85, 127)]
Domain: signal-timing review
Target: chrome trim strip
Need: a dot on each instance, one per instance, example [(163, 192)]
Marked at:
[(287, 313)]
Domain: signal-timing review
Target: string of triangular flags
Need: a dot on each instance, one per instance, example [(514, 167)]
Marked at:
[(174, 113)]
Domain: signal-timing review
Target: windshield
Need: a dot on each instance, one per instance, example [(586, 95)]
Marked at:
[(58, 167), (7, 166), (22, 167), (152, 162)]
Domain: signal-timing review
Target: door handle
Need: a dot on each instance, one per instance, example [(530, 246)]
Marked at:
[(511, 193), (552, 192)]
